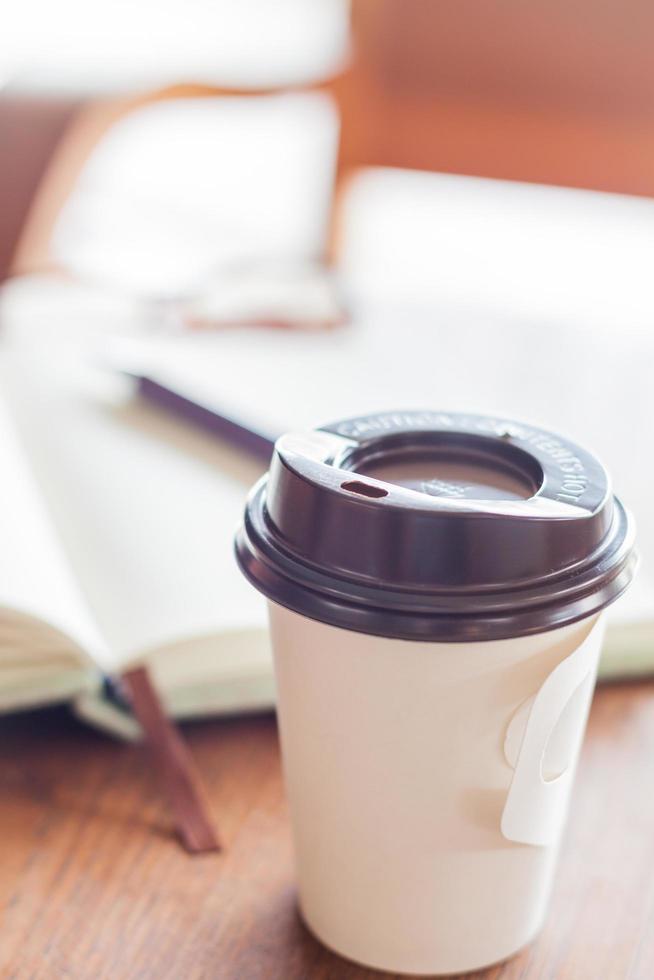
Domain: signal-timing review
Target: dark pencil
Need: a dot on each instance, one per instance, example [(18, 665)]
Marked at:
[(240, 436)]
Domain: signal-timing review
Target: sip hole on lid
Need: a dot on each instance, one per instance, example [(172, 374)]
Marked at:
[(363, 489)]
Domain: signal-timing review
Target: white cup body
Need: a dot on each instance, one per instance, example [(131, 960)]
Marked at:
[(428, 785)]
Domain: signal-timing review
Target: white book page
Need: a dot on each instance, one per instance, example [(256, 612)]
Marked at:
[(146, 506), (36, 579)]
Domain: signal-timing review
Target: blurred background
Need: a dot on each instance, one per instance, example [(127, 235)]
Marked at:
[(296, 211)]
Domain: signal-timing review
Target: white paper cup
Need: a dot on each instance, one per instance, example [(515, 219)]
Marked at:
[(436, 585), (400, 761)]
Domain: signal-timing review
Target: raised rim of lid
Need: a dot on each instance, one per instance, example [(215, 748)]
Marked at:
[(324, 536)]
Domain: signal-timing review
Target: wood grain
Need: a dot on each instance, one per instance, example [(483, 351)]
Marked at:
[(94, 885)]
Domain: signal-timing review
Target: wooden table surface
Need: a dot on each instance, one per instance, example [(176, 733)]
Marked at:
[(92, 885)]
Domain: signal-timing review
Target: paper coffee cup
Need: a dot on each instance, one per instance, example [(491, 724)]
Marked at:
[(437, 585)]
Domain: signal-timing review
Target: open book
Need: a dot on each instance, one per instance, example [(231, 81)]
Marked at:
[(116, 532), (117, 527)]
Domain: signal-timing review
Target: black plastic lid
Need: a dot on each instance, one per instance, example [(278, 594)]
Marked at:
[(436, 526)]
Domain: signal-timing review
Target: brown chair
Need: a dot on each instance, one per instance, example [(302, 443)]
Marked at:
[(30, 131)]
